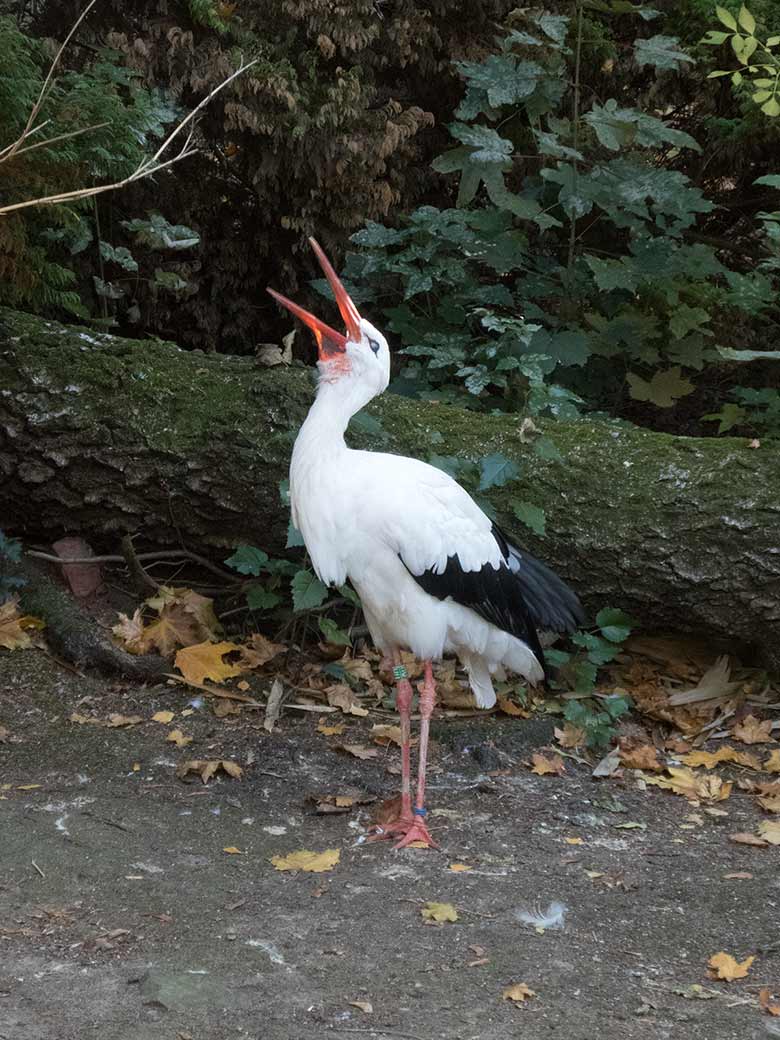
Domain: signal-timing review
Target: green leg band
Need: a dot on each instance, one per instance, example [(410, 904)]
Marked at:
[(400, 672)]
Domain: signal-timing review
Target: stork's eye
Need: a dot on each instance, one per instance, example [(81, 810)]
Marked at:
[(374, 345)]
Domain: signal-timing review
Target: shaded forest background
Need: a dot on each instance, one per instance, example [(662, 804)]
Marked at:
[(552, 210)]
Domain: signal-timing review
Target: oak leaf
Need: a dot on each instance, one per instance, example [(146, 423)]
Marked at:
[(311, 862), (725, 967), (440, 912), (204, 661)]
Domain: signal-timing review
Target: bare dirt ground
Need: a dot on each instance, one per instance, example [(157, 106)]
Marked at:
[(123, 918)]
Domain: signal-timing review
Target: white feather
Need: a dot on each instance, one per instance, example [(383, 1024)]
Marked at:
[(375, 517), (553, 917)]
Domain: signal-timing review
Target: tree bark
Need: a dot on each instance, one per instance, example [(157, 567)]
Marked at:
[(103, 435)]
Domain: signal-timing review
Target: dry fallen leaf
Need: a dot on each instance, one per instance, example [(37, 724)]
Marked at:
[(709, 759), (204, 661), (772, 764), (683, 781), (753, 731), (641, 756), (163, 716), (116, 721), (738, 875), (519, 992), (458, 868), (13, 626), (510, 707), (206, 768), (769, 802), (359, 750), (363, 1005), (341, 696), (769, 830), (574, 841), (232, 850), (745, 838), (177, 737), (259, 651), (327, 804), (440, 912), (570, 736), (312, 862), (543, 765), (725, 967), (765, 1002), (330, 731), (385, 735), (714, 684), (273, 706)]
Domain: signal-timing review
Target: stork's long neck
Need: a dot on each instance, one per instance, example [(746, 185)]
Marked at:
[(322, 433)]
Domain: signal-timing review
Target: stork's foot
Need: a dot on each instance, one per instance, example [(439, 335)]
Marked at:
[(391, 819), (417, 831)]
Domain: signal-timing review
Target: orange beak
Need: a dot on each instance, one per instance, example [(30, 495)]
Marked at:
[(329, 342)]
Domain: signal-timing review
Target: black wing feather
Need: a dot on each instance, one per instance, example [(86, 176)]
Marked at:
[(518, 597)]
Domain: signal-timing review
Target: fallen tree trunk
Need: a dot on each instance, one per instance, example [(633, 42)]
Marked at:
[(102, 435)]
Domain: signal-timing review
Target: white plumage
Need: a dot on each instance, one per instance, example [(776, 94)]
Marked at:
[(434, 574)]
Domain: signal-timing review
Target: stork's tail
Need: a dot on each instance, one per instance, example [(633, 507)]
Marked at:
[(480, 680)]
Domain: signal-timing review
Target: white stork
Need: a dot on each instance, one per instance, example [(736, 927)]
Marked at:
[(434, 574)]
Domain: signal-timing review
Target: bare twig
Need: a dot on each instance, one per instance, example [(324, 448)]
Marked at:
[(147, 168), (168, 554), (140, 578), (37, 868), (12, 149)]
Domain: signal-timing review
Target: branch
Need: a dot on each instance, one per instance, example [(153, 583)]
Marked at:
[(11, 150), (147, 168)]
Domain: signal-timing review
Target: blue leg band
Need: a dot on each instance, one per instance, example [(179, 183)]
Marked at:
[(420, 812)]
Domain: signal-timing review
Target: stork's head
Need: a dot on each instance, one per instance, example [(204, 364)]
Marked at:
[(362, 356)]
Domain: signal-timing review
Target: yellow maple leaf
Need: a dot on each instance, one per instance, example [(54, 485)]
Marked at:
[(753, 731), (440, 912), (709, 759), (542, 765), (725, 967), (685, 782), (519, 992), (312, 862), (204, 661), (772, 764), (769, 830), (163, 716), (177, 737)]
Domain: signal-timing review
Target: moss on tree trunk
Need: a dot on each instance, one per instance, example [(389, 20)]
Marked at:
[(104, 435)]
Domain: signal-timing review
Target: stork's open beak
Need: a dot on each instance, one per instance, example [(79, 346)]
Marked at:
[(329, 342)]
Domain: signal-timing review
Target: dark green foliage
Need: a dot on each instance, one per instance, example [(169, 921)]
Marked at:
[(572, 273)]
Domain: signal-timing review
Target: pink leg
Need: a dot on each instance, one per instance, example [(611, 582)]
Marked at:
[(418, 831), (403, 700)]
